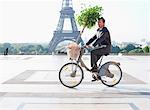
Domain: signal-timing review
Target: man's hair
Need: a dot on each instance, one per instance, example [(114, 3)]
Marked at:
[(101, 18)]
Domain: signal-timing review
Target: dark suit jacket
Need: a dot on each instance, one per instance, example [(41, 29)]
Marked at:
[(104, 39)]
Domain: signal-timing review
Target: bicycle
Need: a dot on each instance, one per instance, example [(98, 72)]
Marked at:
[(71, 74)]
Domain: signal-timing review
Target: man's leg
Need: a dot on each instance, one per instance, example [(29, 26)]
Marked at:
[(95, 56)]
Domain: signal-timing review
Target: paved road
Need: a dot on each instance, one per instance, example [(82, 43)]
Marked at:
[(31, 83)]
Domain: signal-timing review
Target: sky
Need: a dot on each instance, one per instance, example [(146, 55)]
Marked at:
[(24, 21)]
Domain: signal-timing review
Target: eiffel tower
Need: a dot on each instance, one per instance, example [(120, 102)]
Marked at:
[(60, 34)]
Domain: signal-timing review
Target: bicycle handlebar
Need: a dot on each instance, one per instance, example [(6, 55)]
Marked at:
[(82, 47)]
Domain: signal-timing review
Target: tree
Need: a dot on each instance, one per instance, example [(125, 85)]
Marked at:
[(23, 49), (6, 45), (124, 51), (39, 48), (115, 49), (130, 47), (31, 49), (2, 49), (136, 51), (146, 49), (88, 17)]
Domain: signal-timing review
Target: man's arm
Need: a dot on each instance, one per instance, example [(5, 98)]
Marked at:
[(91, 40), (102, 38)]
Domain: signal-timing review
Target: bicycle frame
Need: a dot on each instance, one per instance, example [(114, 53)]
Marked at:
[(79, 60)]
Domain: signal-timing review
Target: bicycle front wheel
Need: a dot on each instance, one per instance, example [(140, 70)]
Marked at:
[(110, 74), (71, 75)]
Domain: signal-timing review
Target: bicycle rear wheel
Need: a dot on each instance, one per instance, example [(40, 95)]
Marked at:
[(110, 74), (71, 75)]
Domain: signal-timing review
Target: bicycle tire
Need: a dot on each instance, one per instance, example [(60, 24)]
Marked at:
[(111, 63), (82, 75)]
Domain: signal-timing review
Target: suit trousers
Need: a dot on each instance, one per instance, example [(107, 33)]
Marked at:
[(96, 55)]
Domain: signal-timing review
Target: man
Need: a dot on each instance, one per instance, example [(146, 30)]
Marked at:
[(6, 51), (101, 45)]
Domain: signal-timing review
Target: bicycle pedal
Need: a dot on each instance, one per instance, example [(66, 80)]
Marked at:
[(95, 78)]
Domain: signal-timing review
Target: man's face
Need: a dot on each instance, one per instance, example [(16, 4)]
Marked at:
[(100, 23)]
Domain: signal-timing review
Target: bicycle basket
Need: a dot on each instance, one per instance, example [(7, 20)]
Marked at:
[(73, 51)]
